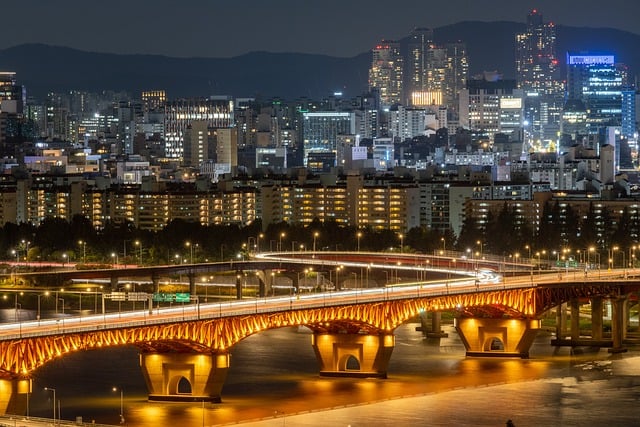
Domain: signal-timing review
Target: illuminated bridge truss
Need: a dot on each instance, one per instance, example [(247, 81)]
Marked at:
[(20, 357)]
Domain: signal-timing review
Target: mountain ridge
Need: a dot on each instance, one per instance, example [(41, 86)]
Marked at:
[(43, 68)]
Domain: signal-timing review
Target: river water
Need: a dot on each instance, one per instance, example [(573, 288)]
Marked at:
[(273, 381)]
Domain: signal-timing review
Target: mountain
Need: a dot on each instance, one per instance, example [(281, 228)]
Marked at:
[(42, 68)]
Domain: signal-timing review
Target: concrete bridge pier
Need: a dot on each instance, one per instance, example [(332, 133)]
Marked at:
[(618, 324), (436, 326), (561, 321), (488, 337), (184, 377), (353, 355), (596, 318), (575, 319), (14, 395), (114, 283), (193, 290), (155, 280), (265, 279)]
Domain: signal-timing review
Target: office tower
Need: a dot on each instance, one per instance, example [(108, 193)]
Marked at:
[(538, 74), (153, 100), (597, 81), (416, 70), (386, 71), (321, 129), (456, 75), (217, 113), (490, 105), (537, 67)]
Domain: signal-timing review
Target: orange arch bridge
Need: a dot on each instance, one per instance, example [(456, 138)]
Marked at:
[(198, 350)]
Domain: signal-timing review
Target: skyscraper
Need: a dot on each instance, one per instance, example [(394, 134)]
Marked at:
[(537, 67), (386, 72), (538, 74)]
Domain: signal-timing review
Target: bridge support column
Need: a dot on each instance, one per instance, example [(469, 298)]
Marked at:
[(561, 321), (617, 324), (488, 337), (114, 283), (14, 395), (155, 280), (180, 377), (575, 319), (436, 326), (193, 290), (596, 318), (353, 355)]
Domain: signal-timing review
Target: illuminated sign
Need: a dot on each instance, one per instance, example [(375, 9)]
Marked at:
[(590, 59), (510, 103)]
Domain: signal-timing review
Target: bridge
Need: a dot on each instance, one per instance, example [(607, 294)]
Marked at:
[(352, 329)]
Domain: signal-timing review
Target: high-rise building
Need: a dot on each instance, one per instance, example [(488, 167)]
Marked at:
[(153, 100), (321, 129), (217, 113), (386, 72), (537, 67), (416, 70), (490, 105), (597, 81), (538, 74)]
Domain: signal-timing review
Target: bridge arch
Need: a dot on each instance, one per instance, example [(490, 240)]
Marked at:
[(20, 357)]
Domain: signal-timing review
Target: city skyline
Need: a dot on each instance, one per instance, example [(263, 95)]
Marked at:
[(203, 29)]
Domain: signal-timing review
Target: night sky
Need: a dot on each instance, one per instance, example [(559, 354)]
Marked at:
[(214, 28)]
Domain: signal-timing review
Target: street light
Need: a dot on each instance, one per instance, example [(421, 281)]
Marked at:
[(190, 246), (315, 236), (54, 401), (359, 235), (121, 403), (64, 258), (280, 240), (46, 294), (401, 241), (139, 243), (479, 242), (84, 250), (114, 259)]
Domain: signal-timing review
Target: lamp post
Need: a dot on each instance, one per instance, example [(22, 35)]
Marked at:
[(444, 245), (280, 241), (62, 299), (46, 294), (479, 242), (121, 403), (84, 250), (138, 243), (114, 259), (190, 246), (315, 236), (358, 236), (54, 402), (401, 242)]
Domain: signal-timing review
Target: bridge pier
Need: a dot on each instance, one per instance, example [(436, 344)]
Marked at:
[(561, 321), (155, 280), (14, 395), (596, 318), (192, 284), (114, 283), (618, 324), (353, 355), (488, 337), (436, 325), (179, 377)]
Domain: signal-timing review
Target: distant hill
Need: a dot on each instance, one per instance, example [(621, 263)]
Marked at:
[(490, 45)]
